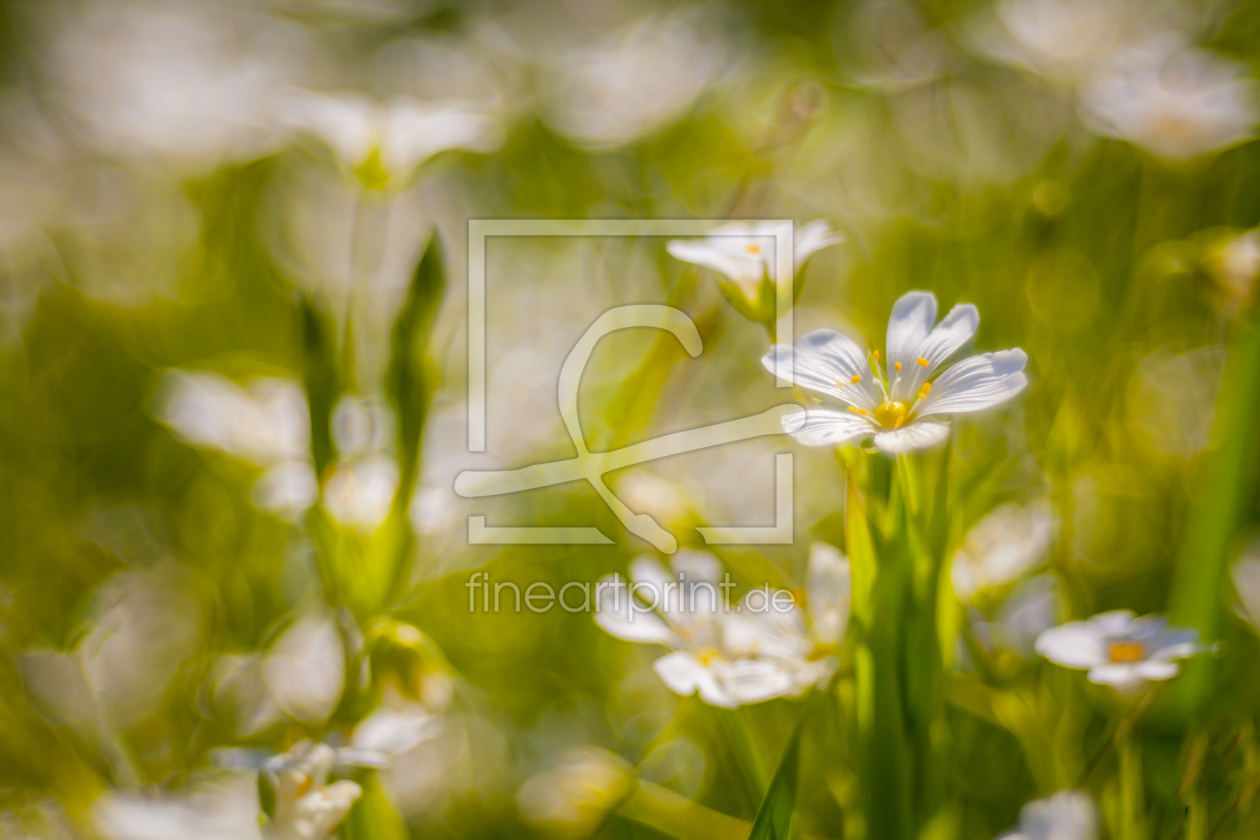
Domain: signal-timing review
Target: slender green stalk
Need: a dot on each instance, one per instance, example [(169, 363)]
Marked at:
[(748, 752), (1132, 793)]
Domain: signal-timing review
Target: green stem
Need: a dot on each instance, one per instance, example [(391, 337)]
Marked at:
[(1132, 820), (908, 473), (748, 753)]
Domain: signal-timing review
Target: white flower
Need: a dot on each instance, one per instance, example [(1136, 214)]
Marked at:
[(1063, 39), (218, 809), (1234, 263), (1246, 575), (1177, 105), (896, 412), (744, 253), (191, 84), (572, 799), (287, 489), (681, 611), (1002, 546), (359, 493), (265, 422), (799, 646), (631, 82), (397, 135), (306, 807), (305, 670), (1120, 650), (1068, 815)]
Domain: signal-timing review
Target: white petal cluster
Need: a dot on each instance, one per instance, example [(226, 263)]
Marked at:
[(307, 808), (894, 408), (1120, 650), (1178, 104), (765, 647), (402, 133), (744, 253), (1004, 545), (1068, 815), (210, 809)]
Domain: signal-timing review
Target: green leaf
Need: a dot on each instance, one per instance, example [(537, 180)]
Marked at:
[(374, 816), (319, 375), (778, 809), (408, 380)]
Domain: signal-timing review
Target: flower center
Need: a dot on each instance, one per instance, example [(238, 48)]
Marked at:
[(1123, 652), (707, 654), (891, 414), (753, 248)]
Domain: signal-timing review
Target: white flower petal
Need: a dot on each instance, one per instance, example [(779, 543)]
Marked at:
[(1073, 645), (826, 361), (415, 131), (1156, 669), (945, 338), (713, 690), (812, 237), (1123, 677), (616, 617), (745, 270), (758, 680), (1246, 575), (822, 427), (1113, 622), (829, 589), (921, 434), (911, 320), (679, 671), (976, 383), (1068, 815), (758, 629)]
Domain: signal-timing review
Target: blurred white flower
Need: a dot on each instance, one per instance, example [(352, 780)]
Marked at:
[(216, 809), (745, 254), (895, 413), (265, 422), (1246, 575), (305, 670), (383, 143), (147, 624), (631, 82), (896, 48), (1004, 545), (800, 646), (1234, 263), (362, 425), (187, 84), (306, 807), (1064, 39), (572, 799), (683, 611), (1068, 815), (287, 489), (359, 493), (1120, 650), (1176, 105)]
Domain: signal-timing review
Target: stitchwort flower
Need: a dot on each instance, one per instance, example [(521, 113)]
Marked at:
[(1068, 815), (1119, 649), (743, 256), (895, 407)]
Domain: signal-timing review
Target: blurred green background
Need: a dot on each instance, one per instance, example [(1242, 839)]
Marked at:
[(163, 209)]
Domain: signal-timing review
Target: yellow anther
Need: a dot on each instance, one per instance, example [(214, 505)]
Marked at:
[(897, 366), (305, 785), (753, 248), (856, 378), (875, 355), (707, 655), (1122, 652), (922, 361), (925, 390), (891, 415)]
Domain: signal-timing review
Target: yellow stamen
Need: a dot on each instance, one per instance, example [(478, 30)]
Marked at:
[(925, 390), (857, 410), (897, 366), (875, 354), (922, 361), (856, 378), (707, 655), (1124, 652), (753, 248), (891, 415)]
